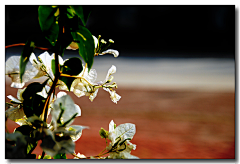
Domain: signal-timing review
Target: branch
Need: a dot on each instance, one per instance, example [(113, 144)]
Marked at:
[(23, 44)]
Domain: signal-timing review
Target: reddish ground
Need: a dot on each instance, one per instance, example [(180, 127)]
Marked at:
[(170, 124)]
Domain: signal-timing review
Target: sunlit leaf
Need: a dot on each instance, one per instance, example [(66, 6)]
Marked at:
[(85, 42)]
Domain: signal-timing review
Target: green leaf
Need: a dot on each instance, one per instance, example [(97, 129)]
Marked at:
[(24, 129), (33, 103), (27, 50), (66, 41), (53, 66), (60, 156), (85, 42), (73, 66), (48, 21), (78, 10)]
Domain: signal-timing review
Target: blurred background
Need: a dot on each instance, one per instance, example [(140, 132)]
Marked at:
[(175, 73)]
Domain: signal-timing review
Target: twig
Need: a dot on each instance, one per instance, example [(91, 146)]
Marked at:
[(23, 44)]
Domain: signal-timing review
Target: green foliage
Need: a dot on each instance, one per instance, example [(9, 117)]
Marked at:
[(85, 42), (27, 50), (78, 10), (33, 103), (73, 66), (60, 156), (48, 21)]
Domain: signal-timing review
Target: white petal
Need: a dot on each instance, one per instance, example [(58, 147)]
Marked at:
[(60, 94), (12, 64), (13, 99), (78, 131), (62, 85), (78, 110), (110, 51), (69, 109), (19, 93), (32, 59), (126, 130), (93, 95), (13, 71), (111, 126), (95, 41), (111, 71), (46, 58), (17, 85), (113, 95)]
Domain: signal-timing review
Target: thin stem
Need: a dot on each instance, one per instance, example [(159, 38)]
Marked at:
[(102, 151), (78, 77), (23, 44)]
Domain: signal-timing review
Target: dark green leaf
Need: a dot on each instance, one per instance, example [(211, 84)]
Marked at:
[(24, 129), (66, 41), (32, 89), (33, 103), (73, 66), (85, 42), (27, 50), (60, 156), (48, 21), (78, 10)]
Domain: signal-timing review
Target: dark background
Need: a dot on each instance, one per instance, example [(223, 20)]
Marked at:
[(147, 30)]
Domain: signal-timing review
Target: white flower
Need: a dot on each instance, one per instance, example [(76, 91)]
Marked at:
[(13, 71), (44, 66), (119, 138), (113, 95), (65, 103), (81, 87)]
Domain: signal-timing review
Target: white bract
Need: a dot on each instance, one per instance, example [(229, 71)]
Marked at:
[(120, 146), (13, 71), (84, 86), (44, 65), (87, 86), (64, 102), (115, 53)]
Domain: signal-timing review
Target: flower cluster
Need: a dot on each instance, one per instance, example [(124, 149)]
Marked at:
[(47, 116)]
